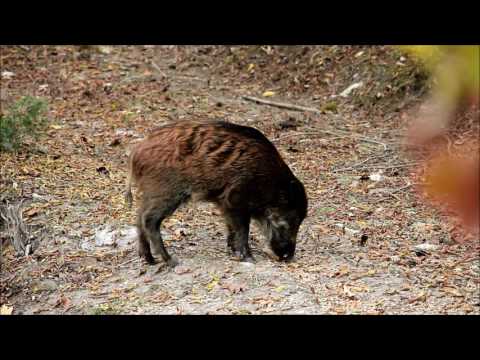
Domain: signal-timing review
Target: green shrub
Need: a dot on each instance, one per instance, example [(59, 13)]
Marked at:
[(24, 118)]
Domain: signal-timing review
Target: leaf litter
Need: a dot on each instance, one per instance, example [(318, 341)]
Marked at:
[(347, 157)]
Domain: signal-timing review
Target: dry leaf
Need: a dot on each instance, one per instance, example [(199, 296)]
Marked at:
[(182, 270), (422, 297), (453, 292), (32, 212), (6, 310), (348, 293), (341, 272), (212, 283), (64, 302), (234, 288)]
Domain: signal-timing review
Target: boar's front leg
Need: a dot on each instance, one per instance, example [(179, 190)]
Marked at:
[(238, 226)]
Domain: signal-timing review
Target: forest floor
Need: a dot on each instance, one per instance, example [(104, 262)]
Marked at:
[(356, 251)]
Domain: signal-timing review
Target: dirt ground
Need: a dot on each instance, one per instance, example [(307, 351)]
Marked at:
[(356, 250)]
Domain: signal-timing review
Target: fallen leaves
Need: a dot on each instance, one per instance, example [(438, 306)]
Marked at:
[(89, 136), (234, 287), (452, 291), (160, 297), (180, 270), (343, 271), (421, 297), (6, 310), (268, 94), (348, 293), (213, 283), (368, 273), (64, 302)]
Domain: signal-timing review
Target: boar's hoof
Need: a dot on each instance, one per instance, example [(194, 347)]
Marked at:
[(148, 258), (172, 262), (248, 259), (243, 257)]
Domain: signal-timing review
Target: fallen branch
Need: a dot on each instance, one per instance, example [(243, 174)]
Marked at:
[(398, 166), (339, 136), (392, 193), (355, 136), (360, 163), (157, 68), (16, 229), (24, 48), (466, 259), (281, 105)]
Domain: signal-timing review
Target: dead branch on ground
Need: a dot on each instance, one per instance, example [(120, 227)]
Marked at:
[(281, 105), (16, 229)]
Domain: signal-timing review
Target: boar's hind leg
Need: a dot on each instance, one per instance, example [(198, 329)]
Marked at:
[(151, 221), (144, 247), (238, 225)]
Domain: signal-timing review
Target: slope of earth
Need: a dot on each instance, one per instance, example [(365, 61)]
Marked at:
[(356, 250)]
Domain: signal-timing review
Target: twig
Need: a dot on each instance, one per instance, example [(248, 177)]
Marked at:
[(157, 68), (355, 136), (128, 262), (339, 136), (360, 163), (281, 105), (24, 48), (466, 259), (392, 193), (16, 228), (393, 166)]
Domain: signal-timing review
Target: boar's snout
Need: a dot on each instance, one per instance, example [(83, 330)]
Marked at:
[(285, 250)]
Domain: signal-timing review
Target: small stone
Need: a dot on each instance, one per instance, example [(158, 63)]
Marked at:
[(425, 248), (45, 285), (7, 74)]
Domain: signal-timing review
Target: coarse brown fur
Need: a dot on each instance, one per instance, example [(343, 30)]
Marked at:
[(236, 167)]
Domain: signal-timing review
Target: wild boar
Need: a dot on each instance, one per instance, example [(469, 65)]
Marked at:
[(235, 167)]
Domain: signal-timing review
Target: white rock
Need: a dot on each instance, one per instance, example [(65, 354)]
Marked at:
[(376, 176), (105, 237), (247, 264), (426, 247), (351, 231), (7, 74)]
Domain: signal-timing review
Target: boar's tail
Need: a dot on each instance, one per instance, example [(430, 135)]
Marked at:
[(128, 191)]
